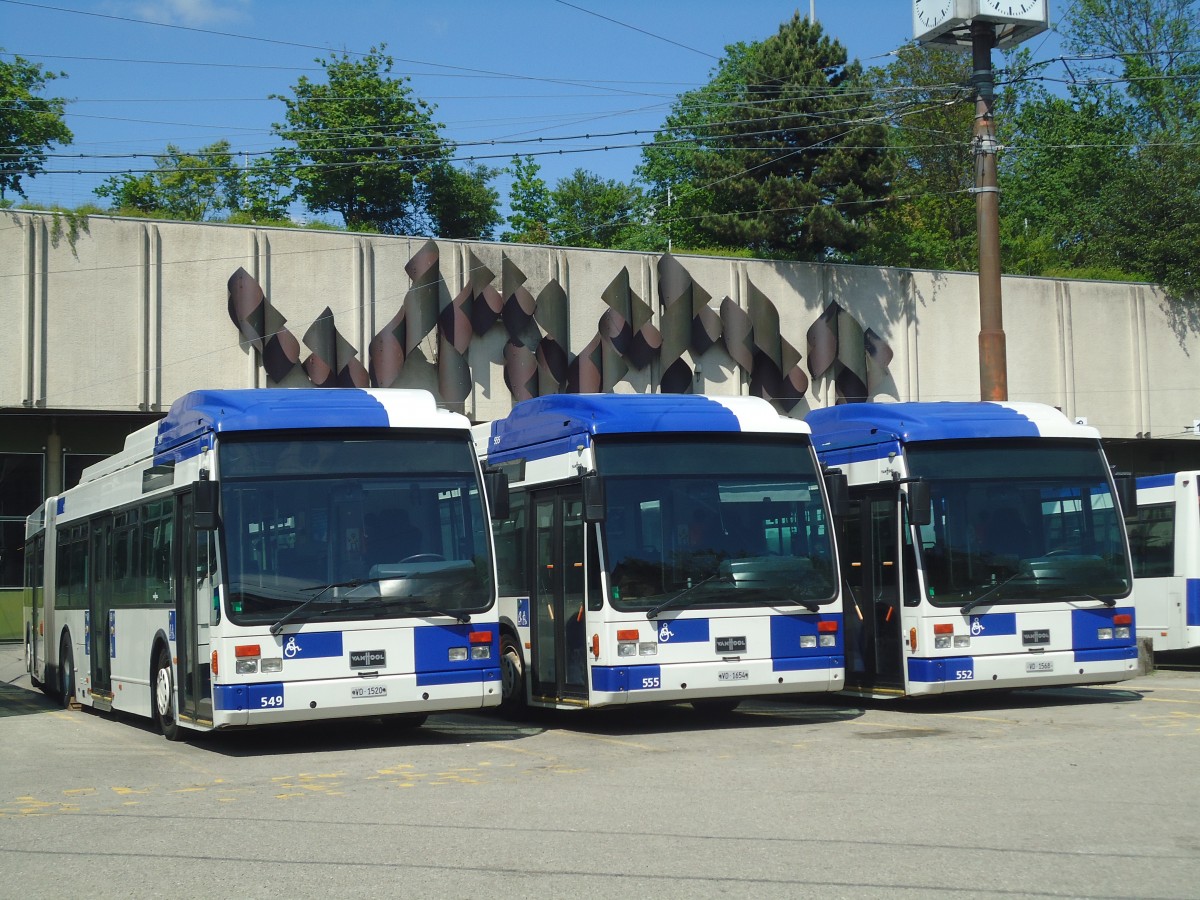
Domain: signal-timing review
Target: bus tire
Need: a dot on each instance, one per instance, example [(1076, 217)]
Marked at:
[(512, 674), (66, 674), (164, 696), (716, 706)]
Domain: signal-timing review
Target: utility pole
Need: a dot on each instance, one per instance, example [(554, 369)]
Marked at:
[(993, 355)]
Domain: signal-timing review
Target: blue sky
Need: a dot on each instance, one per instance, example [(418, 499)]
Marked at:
[(497, 71)]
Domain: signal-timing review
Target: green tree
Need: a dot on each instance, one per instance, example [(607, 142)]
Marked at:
[(364, 147), (929, 221), (589, 211), (529, 203), (788, 153), (29, 123), (189, 186)]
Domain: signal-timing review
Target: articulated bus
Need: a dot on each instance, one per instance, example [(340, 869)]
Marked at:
[(263, 556), (984, 547), (662, 548), (1165, 540)]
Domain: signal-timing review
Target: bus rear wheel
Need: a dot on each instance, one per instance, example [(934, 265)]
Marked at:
[(512, 675), (164, 696)]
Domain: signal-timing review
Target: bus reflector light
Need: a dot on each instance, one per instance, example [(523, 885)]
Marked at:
[(808, 640), (241, 651), (480, 637), (1104, 634), (275, 664), (1123, 619), (827, 627), (943, 628), (628, 634), (648, 648), (458, 654)]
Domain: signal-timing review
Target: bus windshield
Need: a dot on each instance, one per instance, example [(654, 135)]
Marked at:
[(352, 527), (732, 520), (1017, 521)]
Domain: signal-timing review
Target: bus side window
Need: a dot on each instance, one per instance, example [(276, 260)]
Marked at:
[(1152, 541)]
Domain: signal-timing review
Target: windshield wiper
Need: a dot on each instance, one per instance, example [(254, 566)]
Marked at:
[(652, 613), (292, 613), (989, 593), (420, 604)]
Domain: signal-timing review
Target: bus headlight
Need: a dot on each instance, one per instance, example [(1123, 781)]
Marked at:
[(1121, 631), (648, 648), (481, 651), (272, 665), (1104, 634), (808, 640), (942, 641), (627, 648), (962, 640), (828, 640), (246, 666), (458, 654)]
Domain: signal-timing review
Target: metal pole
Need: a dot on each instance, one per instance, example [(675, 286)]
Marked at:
[(993, 361)]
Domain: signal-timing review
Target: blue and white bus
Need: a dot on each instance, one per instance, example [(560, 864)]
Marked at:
[(263, 556), (662, 548), (983, 548), (1165, 541)]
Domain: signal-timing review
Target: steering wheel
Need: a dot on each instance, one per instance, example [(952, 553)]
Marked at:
[(424, 557)]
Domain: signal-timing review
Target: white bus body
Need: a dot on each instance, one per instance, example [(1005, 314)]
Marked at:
[(662, 548), (295, 601), (1165, 541), (1020, 579)]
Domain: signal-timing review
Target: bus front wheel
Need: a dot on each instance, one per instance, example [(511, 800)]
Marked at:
[(66, 674), (512, 674), (164, 696)]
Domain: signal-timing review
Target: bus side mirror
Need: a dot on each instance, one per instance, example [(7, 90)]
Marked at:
[(205, 496), (920, 507), (1126, 493), (838, 488), (496, 485), (593, 498)]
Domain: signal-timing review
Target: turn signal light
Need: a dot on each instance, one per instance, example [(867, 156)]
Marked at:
[(480, 637), (943, 628), (1123, 619), (215, 669), (627, 634), (827, 626), (245, 650)]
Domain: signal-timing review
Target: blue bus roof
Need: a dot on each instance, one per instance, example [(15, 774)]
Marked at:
[(861, 424), (561, 417), (273, 409)]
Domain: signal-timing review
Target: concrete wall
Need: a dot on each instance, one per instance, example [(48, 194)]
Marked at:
[(135, 314)]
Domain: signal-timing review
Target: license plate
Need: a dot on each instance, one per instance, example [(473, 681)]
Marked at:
[(1040, 665), (373, 690), (735, 675)]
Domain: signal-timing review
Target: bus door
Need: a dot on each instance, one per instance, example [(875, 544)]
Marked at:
[(871, 562), (558, 660), (101, 646), (193, 595)]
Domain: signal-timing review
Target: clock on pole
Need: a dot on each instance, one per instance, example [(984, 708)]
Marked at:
[(949, 21)]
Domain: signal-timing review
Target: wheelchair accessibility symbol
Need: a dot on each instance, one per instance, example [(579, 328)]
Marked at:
[(291, 648), (976, 626), (665, 634)]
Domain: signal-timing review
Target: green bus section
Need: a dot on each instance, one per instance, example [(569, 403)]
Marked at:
[(10, 615)]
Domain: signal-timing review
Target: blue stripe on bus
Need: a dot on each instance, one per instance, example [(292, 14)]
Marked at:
[(1109, 654), (1153, 481), (786, 653), (431, 654), (263, 409), (993, 624), (241, 697), (551, 425), (1192, 609), (616, 679), (1085, 624), (312, 645), (683, 631), (950, 668)]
